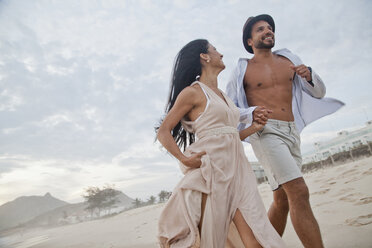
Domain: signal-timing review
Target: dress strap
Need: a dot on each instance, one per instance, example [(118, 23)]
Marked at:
[(204, 90)]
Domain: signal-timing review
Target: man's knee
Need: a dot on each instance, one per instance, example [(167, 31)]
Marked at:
[(297, 191), (281, 200)]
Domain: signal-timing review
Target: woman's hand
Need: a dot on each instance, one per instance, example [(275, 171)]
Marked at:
[(261, 114), (257, 126), (194, 161), (254, 127), (185, 102)]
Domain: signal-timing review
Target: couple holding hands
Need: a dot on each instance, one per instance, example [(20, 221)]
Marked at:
[(269, 99)]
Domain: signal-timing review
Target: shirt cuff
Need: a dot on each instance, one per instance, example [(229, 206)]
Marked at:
[(246, 114), (311, 73)]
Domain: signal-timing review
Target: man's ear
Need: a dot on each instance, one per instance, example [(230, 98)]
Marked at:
[(250, 42)]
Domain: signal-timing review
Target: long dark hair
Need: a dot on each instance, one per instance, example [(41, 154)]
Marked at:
[(186, 68)]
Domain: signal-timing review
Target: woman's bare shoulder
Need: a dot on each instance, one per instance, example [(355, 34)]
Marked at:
[(191, 93)]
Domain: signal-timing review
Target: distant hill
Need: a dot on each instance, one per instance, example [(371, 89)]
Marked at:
[(35, 211), (124, 200), (71, 213), (25, 208), (74, 213)]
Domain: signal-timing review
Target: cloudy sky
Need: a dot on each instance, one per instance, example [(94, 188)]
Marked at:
[(82, 83)]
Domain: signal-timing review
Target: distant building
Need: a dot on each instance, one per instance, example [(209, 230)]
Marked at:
[(345, 141)]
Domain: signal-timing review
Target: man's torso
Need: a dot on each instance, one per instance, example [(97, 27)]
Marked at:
[(269, 84)]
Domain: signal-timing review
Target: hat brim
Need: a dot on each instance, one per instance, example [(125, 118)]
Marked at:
[(248, 28)]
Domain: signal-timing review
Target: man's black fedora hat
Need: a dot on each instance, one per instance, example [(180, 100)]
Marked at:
[(247, 28)]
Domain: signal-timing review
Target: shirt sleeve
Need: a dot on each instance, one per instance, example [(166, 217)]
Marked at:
[(232, 91), (318, 90), (231, 88), (246, 114)]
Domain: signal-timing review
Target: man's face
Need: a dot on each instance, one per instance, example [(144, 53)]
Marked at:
[(262, 36)]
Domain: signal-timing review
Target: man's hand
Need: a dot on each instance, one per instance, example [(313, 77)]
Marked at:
[(302, 71), (261, 114)]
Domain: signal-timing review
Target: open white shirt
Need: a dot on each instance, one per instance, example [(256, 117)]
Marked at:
[(308, 102)]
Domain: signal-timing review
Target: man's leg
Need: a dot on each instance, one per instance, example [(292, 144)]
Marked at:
[(302, 216), (278, 212)]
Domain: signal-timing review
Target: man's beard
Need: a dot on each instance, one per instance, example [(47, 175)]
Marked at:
[(261, 45)]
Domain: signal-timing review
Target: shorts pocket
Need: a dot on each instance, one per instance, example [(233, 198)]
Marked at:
[(297, 136), (260, 132)]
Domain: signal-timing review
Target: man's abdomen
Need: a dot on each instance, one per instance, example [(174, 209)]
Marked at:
[(279, 101)]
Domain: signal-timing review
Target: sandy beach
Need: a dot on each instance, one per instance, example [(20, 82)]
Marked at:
[(341, 197)]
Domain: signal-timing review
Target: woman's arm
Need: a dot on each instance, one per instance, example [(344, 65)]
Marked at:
[(250, 130), (185, 102)]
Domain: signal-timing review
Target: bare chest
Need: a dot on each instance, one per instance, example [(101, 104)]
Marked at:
[(268, 77)]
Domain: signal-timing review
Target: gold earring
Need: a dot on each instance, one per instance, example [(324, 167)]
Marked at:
[(207, 60)]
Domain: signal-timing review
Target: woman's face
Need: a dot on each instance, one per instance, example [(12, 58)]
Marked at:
[(215, 57)]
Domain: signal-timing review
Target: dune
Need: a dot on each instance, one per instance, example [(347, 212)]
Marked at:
[(341, 198)]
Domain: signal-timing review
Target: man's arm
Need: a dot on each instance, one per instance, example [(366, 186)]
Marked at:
[(311, 83), (318, 89)]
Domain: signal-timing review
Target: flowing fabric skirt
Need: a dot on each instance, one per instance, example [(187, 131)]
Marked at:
[(229, 182)]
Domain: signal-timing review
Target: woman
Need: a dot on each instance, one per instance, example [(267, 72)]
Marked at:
[(219, 185)]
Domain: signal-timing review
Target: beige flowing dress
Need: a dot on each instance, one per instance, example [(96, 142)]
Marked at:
[(225, 176)]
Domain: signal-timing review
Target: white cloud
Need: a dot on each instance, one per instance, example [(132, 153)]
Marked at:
[(55, 119), (9, 101)]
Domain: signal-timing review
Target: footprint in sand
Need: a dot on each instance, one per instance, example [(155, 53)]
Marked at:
[(343, 191), (363, 201), (351, 197), (326, 185), (322, 179), (328, 211), (353, 180), (360, 220), (322, 192), (348, 173), (368, 172), (323, 203)]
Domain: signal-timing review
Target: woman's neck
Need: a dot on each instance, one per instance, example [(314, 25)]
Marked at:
[(209, 79)]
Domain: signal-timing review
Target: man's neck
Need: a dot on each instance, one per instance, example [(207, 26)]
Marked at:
[(263, 55)]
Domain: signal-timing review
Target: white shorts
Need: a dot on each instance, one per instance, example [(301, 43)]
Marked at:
[(277, 147)]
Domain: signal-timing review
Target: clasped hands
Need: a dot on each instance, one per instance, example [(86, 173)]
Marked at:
[(261, 115)]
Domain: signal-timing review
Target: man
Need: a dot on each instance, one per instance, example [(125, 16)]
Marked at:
[(276, 87)]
